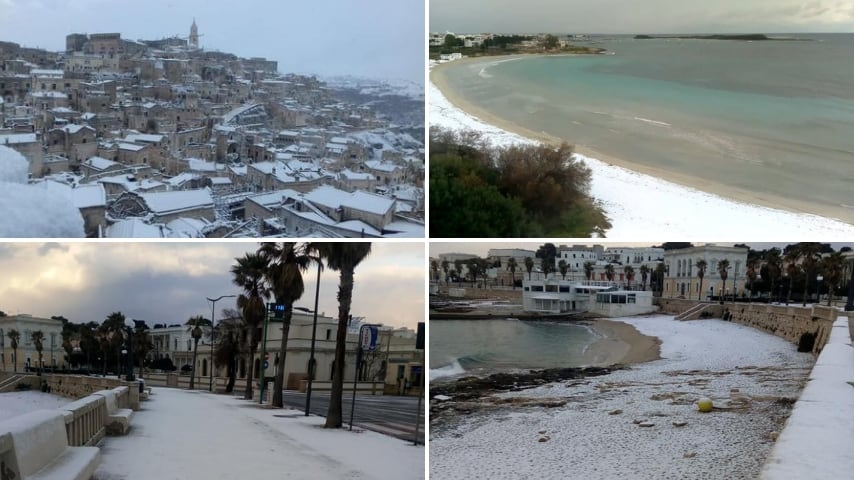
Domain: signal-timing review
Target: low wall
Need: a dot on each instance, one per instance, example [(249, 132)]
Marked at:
[(474, 293), (787, 322)]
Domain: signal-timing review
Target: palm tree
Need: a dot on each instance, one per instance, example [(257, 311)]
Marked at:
[(196, 325), (660, 271), (546, 266), (644, 271), (630, 274), (38, 340), (701, 265), (511, 265), (14, 336), (458, 266), (286, 264), (113, 331), (434, 267), (810, 254), (773, 267), (141, 346), (563, 267), (832, 267), (445, 266), (249, 275), (751, 275), (342, 257), (588, 270), (609, 272), (529, 266), (723, 266), (228, 346)]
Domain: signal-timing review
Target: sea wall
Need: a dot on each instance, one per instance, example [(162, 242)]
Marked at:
[(787, 322)]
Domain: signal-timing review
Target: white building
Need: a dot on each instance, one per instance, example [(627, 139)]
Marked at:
[(682, 279), (554, 296), (27, 355)]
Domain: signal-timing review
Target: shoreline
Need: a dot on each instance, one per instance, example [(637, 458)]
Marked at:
[(723, 191), (621, 344)]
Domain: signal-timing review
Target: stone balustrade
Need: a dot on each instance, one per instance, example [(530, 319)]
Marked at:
[(85, 420)]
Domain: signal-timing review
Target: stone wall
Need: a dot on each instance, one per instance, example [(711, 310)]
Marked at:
[(466, 291), (787, 322)]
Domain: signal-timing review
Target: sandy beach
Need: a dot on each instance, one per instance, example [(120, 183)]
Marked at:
[(640, 422), (621, 343), (598, 161)]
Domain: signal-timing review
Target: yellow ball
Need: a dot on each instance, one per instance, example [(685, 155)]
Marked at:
[(705, 405)]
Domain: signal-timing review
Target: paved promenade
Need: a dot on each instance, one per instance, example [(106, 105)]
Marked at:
[(187, 435)]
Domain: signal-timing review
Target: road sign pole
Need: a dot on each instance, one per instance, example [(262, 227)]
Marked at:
[(418, 412), (264, 355), (355, 379)]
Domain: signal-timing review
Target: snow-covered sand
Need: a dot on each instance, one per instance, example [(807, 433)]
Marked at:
[(641, 207), (706, 358), (13, 404), (195, 435)]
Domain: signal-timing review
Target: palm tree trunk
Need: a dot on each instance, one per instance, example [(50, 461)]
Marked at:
[(232, 375), (278, 384), (193, 371), (806, 284), (247, 394), (700, 293), (345, 296)]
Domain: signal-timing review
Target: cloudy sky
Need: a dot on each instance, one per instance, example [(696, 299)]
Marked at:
[(376, 38), (647, 16), (168, 282)]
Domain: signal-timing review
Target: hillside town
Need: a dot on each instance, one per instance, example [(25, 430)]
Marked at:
[(162, 138)]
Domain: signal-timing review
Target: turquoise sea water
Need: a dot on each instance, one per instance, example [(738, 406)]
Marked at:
[(771, 118), (480, 347)]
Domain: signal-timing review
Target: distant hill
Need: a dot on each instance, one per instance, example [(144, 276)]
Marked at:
[(750, 36)]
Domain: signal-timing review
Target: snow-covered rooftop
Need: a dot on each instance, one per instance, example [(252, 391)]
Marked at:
[(335, 198), (162, 203)]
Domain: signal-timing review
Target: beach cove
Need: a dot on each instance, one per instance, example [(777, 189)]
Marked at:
[(640, 196), (591, 427)]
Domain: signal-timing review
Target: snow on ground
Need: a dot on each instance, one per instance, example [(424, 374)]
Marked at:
[(641, 206), (195, 435), (817, 440), (31, 211), (13, 404), (706, 358)]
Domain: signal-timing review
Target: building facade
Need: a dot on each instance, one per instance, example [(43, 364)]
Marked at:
[(26, 356), (683, 280)]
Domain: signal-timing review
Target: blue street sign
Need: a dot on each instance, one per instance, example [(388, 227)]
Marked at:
[(368, 337), (266, 364)]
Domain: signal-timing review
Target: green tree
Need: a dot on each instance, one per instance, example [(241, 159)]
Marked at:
[(810, 255), (723, 271), (550, 42), (630, 275), (286, 264), (609, 272), (37, 338), (14, 337), (511, 265), (832, 268), (196, 325), (563, 267), (588, 270), (343, 258), (644, 271), (113, 329), (529, 266), (791, 260), (445, 266), (434, 269), (773, 267), (248, 274), (701, 265), (752, 263), (141, 345)]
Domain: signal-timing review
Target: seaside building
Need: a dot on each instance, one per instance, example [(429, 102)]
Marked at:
[(554, 295), (27, 356), (682, 278)]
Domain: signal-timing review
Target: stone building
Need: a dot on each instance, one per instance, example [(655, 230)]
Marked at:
[(683, 281)]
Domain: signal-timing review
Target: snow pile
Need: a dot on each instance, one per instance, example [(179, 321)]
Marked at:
[(33, 210), (595, 435), (13, 404), (641, 206)]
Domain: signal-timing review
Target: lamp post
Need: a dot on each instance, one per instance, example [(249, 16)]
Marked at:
[(213, 330), (818, 280), (129, 375), (311, 361)]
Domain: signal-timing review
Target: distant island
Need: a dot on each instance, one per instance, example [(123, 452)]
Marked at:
[(748, 37)]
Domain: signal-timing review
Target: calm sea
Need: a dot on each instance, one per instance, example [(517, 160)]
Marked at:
[(772, 117), (481, 347)]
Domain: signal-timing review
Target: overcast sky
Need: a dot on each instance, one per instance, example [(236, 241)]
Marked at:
[(168, 282), (376, 38), (647, 16)]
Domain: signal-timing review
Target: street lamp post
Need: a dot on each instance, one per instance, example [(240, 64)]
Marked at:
[(129, 376), (213, 330), (818, 280), (311, 361)]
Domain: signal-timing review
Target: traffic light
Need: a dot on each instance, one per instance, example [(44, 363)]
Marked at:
[(277, 309)]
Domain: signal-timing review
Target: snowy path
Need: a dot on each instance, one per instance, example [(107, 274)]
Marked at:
[(13, 404), (594, 436), (187, 435)]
